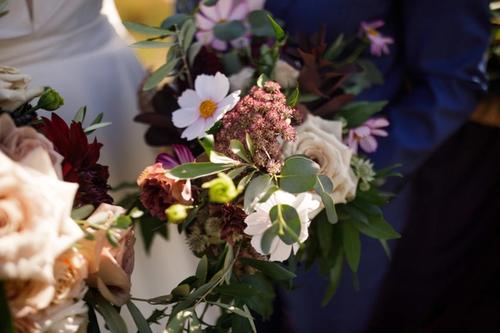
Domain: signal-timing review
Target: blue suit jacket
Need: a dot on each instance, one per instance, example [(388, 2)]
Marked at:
[(434, 76)]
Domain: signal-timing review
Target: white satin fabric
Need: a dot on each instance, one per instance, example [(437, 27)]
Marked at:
[(71, 46)]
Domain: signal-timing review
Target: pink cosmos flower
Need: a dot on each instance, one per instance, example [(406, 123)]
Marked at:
[(210, 16), (365, 134), (181, 154), (379, 44)]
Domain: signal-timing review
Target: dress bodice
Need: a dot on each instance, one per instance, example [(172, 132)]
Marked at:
[(37, 30)]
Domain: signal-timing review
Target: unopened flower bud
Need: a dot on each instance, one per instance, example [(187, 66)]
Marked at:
[(50, 100), (221, 189), (177, 213)]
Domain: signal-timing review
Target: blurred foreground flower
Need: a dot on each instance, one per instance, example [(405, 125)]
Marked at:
[(181, 154), (14, 90)]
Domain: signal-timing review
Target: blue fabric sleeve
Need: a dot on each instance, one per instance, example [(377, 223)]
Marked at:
[(443, 50)]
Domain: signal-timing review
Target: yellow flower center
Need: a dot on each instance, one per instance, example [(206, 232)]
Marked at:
[(207, 108), (372, 32)]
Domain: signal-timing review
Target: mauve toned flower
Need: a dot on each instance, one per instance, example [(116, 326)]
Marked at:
[(159, 191), (17, 142), (210, 16), (80, 160), (265, 116), (181, 154), (364, 135), (110, 267), (379, 44), (14, 90)]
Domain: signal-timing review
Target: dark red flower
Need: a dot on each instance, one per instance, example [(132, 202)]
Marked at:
[(233, 223), (80, 160)]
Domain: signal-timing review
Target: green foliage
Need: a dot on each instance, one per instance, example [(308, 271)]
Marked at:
[(271, 269), (256, 190), (198, 170), (299, 174), (6, 322), (288, 221), (356, 113), (260, 24), (139, 320), (113, 320), (229, 31)]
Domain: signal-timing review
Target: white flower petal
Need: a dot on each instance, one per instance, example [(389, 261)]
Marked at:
[(257, 223), (185, 117), (189, 99), (256, 240), (220, 87), (280, 251), (203, 85), (195, 130)]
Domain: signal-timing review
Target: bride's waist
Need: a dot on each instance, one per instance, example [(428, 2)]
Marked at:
[(40, 47)]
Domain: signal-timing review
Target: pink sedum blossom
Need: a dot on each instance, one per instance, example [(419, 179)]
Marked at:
[(379, 44), (364, 135)]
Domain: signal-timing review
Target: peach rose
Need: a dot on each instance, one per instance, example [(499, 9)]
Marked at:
[(14, 90), (35, 222), (17, 142), (110, 267), (66, 312)]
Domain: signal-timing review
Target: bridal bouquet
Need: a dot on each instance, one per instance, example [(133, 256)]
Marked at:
[(65, 250), (267, 167)]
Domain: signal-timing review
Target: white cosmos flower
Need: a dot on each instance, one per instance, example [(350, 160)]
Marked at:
[(307, 206), (203, 107)]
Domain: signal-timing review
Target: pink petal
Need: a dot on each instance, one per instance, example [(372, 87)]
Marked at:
[(204, 23), (368, 144), (378, 122), (183, 153), (219, 45), (362, 131), (210, 12), (224, 8), (240, 12), (205, 37), (379, 132)]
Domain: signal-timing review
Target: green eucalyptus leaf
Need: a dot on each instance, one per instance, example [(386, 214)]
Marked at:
[(299, 174), (232, 309), (151, 44), (271, 269), (268, 237), (351, 244), (177, 322), (236, 172), (216, 157), (202, 271), (195, 325), (81, 213), (249, 143), (193, 52), (80, 115), (187, 34), (147, 30), (229, 31), (175, 20), (94, 127), (198, 170), (158, 75), (114, 321), (325, 234), (139, 320), (377, 227), (334, 277), (335, 49), (261, 80), (260, 24), (357, 113), (279, 33), (239, 150), (210, 3), (207, 142), (255, 190), (324, 186), (293, 99), (288, 221)]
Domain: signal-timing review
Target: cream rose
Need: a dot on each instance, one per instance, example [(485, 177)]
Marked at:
[(14, 90), (35, 222), (242, 79), (17, 142), (320, 140), (110, 267), (285, 74)]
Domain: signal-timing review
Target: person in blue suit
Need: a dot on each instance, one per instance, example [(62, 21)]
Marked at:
[(434, 77)]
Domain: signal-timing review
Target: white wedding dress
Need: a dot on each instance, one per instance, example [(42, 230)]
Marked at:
[(71, 46)]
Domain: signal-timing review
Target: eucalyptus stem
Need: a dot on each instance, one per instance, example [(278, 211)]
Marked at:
[(184, 59)]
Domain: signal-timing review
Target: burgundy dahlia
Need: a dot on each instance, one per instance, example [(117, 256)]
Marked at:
[(266, 117), (80, 160)]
